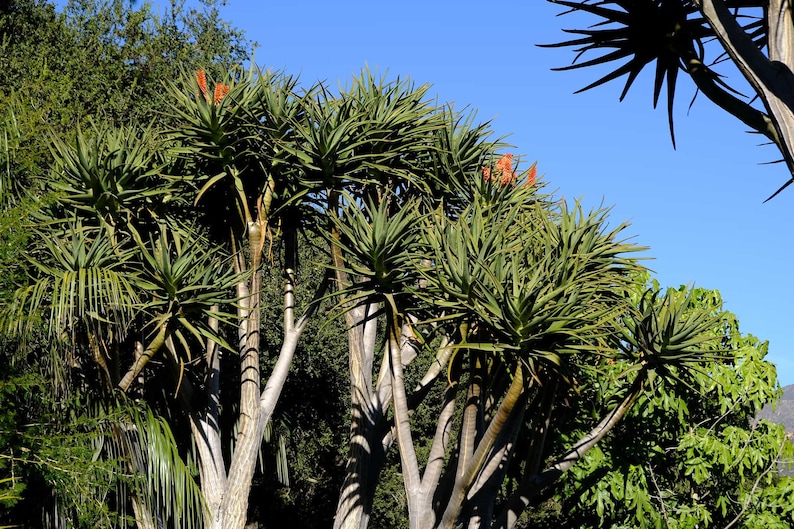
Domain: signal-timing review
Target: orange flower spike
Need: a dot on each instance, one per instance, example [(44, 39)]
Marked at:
[(201, 77), (220, 92), (505, 163), (505, 167), (533, 174), (486, 174)]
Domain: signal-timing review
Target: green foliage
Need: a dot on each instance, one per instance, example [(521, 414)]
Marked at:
[(112, 175), (103, 61), (691, 452), (542, 281), (94, 62), (50, 454), (170, 261), (160, 475)]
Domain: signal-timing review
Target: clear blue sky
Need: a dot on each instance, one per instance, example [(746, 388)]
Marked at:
[(700, 208)]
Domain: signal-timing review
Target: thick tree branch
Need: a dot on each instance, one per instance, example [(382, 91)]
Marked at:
[(755, 119), (772, 78), (533, 484), (402, 425), (140, 362), (205, 427), (474, 466), (435, 460)]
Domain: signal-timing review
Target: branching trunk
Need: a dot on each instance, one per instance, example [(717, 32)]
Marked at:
[(355, 498), (402, 426), (234, 501), (141, 360), (205, 428), (227, 493), (467, 474), (485, 489), (366, 454), (435, 460), (533, 484)]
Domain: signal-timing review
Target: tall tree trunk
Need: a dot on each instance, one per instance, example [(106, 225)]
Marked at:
[(366, 453), (206, 431), (227, 493), (468, 472)]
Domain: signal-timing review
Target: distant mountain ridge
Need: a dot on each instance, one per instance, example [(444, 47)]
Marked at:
[(783, 414)]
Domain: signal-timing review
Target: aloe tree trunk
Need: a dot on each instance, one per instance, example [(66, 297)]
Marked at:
[(535, 482), (480, 448), (772, 76), (227, 491), (366, 452)]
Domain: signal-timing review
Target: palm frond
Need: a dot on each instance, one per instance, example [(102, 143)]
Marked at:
[(673, 329), (76, 275), (642, 32), (528, 280), (185, 276), (111, 174), (168, 486)]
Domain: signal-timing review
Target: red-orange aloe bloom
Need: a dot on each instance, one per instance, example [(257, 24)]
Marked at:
[(508, 177), (505, 163), (220, 92), (503, 171), (201, 77), (504, 167), (533, 174)]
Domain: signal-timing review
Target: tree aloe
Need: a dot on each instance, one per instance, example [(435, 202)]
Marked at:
[(516, 297), (455, 274)]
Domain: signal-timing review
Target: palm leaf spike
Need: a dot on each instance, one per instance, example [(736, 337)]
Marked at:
[(644, 31), (78, 276), (111, 174), (380, 244)]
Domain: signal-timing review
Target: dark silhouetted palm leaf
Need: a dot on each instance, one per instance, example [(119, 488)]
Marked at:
[(676, 35), (642, 32)]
